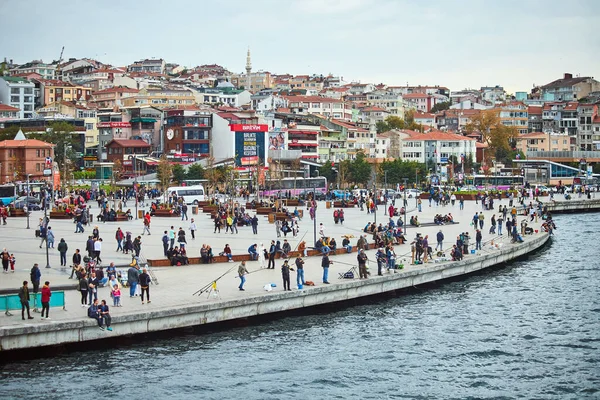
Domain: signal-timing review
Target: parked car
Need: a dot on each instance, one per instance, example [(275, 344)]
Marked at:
[(305, 193), (341, 194), (19, 204), (410, 193), (31, 199)]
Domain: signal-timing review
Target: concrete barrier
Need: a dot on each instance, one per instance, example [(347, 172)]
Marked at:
[(81, 330)]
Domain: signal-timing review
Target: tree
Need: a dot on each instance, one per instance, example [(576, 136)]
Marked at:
[(360, 169), (178, 173), (343, 172), (211, 174), (164, 173), (496, 135), (398, 169), (440, 107), (395, 122), (327, 171), (382, 126), (195, 171)]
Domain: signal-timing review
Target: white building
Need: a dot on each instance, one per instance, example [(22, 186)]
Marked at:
[(264, 102), (435, 147), (382, 145), (19, 93), (325, 106), (47, 71)]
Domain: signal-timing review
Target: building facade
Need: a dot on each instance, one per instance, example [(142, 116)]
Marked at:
[(19, 158), (18, 93)]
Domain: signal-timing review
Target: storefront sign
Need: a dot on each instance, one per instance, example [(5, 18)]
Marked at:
[(114, 125), (249, 127), (249, 144)]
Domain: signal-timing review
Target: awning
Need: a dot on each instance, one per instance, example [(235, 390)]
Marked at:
[(143, 120), (302, 144)]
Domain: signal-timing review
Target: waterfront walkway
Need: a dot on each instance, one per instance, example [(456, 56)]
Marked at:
[(177, 284)]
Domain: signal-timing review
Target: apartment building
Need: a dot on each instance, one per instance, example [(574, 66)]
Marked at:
[(46, 71), (148, 65), (570, 88), (327, 107), (515, 114), (19, 93)]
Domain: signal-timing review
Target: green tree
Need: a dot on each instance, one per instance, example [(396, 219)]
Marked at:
[(398, 169), (327, 171), (496, 135), (440, 106), (360, 169), (195, 171), (178, 173), (382, 126), (164, 173), (395, 122)]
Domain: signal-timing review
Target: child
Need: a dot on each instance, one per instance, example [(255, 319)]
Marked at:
[(12, 261), (116, 295)]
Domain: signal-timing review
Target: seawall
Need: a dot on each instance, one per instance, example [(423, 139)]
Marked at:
[(162, 319)]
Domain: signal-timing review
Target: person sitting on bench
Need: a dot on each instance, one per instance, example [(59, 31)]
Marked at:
[(253, 253), (347, 245)]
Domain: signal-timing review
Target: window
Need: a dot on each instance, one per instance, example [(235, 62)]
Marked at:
[(15, 90), (67, 91), (37, 167), (89, 127), (37, 153), (14, 99), (51, 90)]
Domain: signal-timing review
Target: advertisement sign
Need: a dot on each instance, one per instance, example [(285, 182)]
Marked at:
[(444, 174), (249, 127), (114, 125), (250, 147), (277, 140)]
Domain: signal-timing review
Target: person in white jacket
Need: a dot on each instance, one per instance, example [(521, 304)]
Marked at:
[(261, 255), (193, 228)]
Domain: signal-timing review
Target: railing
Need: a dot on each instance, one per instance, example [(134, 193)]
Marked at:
[(564, 154), (285, 154)]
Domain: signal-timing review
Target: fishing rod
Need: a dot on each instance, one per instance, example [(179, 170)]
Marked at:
[(209, 285)]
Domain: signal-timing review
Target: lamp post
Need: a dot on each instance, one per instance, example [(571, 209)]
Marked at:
[(315, 218), (46, 224), (405, 183), (135, 186), (386, 192), (27, 200), (375, 196)]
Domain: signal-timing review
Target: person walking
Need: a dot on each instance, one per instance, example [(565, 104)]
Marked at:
[(50, 238), (193, 229), (145, 280), (481, 219), (172, 236), (83, 288), (89, 246), (5, 257), (119, 236), (499, 223), (98, 249), (133, 278), (24, 298), (285, 275), (104, 315), (184, 210), (478, 238), (165, 242), (62, 250), (299, 271), (35, 275), (242, 272), (325, 265), (46, 294), (440, 241), (272, 251), (146, 223)]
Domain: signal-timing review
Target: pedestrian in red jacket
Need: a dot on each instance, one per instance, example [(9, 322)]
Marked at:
[(46, 293)]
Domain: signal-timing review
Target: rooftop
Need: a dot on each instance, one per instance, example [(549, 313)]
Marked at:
[(24, 143), (129, 143), (7, 108)]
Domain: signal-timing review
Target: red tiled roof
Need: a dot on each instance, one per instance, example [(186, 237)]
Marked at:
[(434, 135), (534, 110), (596, 119), (571, 106), (117, 89), (424, 116), (25, 143), (531, 135), (6, 107), (480, 145), (129, 143), (415, 96), (374, 109), (54, 82)]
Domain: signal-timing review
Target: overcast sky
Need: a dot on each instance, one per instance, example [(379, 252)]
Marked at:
[(454, 43)]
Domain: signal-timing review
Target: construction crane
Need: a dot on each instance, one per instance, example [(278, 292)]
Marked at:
[(57, 72)]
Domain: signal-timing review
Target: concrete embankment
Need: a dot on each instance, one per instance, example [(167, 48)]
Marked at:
[(572, 206), (162, 319)]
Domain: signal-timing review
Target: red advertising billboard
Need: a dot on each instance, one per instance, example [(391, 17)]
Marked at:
[(249, 127)]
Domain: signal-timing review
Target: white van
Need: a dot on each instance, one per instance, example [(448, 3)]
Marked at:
[(190, 194)]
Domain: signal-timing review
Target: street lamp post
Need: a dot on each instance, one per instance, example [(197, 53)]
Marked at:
[(405, 183), (135, 187), (46, 225), (27, 201), (375, 197), (315, 218), (386, 192)]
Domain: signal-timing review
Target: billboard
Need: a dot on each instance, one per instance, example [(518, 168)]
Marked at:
[(277, 140), (249, 148)]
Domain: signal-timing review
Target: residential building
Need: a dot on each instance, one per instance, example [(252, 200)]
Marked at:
[(470, 103), (435, 148), (111, 125), (327, 107), (357, 138), (587, 139), (335, 92), (160, 97), (460, 95), (360, 88), (569, 88), (304, 136), (514, 114), (535, 123), (146, 123), (382, 146), (373, 114), (8, 112), (266, 101), (423, 102), (455, 119), (390, 101), (332, 145), (569, 121), (113, 97), (46, 71), (431, 90), (52, 90), (314, 83), (426, 119), (21, 157), (541, 141), (126, 151), (596, 132), (224, 93), (493, 94), (18, 93), (258, 81), (188, 131), (148, 65)]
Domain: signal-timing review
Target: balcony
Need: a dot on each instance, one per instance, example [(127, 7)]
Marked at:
[(565, 156), (285, 155)]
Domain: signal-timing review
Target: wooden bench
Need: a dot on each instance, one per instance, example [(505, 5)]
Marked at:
[(16, 212), (264, 210), (292, 203), (165, 213), (338, 204), (59, 215), (249, 206), (210, 209)]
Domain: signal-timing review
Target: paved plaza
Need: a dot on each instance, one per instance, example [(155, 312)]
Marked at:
[(177, 284)]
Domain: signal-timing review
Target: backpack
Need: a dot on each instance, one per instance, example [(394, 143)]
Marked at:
[(92, 312), (349, 275)]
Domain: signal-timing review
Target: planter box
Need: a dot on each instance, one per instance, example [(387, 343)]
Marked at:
[(59, 215), (164, 213)]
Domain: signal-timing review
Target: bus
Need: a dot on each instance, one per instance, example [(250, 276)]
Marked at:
[(8, 193), (293, 185), (190, 194), (500, 182)]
